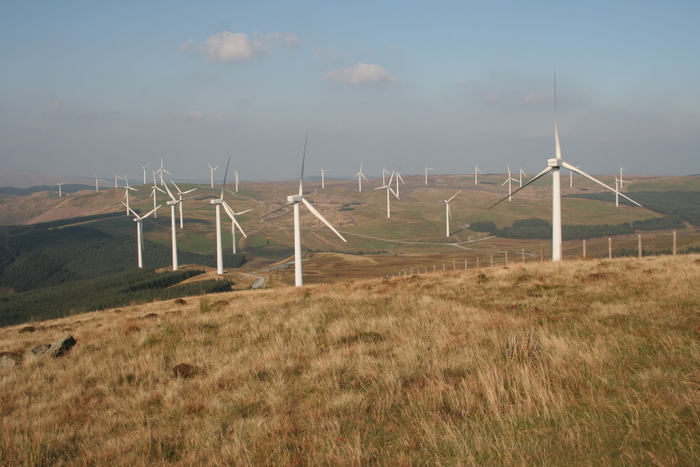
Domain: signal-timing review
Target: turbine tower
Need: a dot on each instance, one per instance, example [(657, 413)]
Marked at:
[(211, 174), (448, 213), (522, 174), (154, 195), (476, 174), (384, 172), (426, 175), (59, 188), (172, 203), (398, 177), (97, 182), (139, 233), (161, 171), (554, 166), (235, 175), (360, 176), (323, 177), (296, 200)]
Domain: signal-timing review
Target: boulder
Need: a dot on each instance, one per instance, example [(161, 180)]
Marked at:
[(7, 362), (37, 351), (62, 346)]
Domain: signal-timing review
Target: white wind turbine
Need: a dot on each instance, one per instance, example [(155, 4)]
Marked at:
[(144, 172), (618, 188), (296, 200), (211, 174), (554, 165), (622, 182), (360, 176), (59, 188), (384, 173), (161, 171), (139, 233), (323, 177), (97, 182), (398, 177), (126, 192), (234, 223), (172, 203), (181, 199), (426, 175), (218, 202), (571, 178), (522, 174), (448, 213), (154, 195), (116, 181), (508, 181), (389, 191), (476, 174)]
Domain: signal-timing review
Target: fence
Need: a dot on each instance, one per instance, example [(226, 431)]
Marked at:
[(637, 245)]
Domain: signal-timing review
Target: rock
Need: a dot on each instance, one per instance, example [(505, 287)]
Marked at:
[(27, 329), (185, 370), (7, 362), (37, 351), (62, 346)]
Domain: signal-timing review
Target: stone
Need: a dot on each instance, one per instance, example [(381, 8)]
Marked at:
[(37, 351), (7, 362), (62, 346)]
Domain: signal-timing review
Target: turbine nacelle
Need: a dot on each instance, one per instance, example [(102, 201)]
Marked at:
[(554, 163), (294, 198)]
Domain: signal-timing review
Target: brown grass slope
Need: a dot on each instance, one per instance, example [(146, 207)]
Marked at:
[(576, 363)]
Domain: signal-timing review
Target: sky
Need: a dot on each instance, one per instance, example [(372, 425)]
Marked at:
[(109, 87)]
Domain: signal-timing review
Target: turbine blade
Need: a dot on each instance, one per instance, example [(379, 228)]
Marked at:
[(169, 192), (556, 120), (303, 159), (278, 209), (177, 187), (584, 174), (453, 196), (223, 187), (323, 219), (242, 212), (132, 211), (232, 215), (188, 191), (536, 177), (150, 212)]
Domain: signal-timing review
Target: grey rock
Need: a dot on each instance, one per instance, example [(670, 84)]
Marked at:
[(37, 351), (7, 362), (62, 346)]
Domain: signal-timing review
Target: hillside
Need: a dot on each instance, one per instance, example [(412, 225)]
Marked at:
[(577, 363)]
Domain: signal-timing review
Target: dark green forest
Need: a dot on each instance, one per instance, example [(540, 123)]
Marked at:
[(46, 271)]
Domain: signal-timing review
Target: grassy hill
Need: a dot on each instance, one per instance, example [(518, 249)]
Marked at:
[(576, 363)]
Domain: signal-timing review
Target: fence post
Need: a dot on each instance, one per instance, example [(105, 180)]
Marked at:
[(609, 248), (477, 262), (639, 246), (491, 260), (541, 253), (584, 248), (443, 267), (674, 242), (454, 266), (465, 264), (433, 268), (523, 255), (506, 258)]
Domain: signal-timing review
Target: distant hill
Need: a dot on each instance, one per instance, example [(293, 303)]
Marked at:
[(65, 189), (25, 179)]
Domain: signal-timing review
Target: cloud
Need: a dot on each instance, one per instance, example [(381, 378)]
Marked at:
[(198, 115), (58, 110), (535, 99), (239, 47), (362, 73)]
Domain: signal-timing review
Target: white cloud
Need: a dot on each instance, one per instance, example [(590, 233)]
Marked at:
[(535, 99), (198, 115), (362, 73), (237, 47)]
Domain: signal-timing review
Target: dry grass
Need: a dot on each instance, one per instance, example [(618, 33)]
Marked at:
[(579, 363)]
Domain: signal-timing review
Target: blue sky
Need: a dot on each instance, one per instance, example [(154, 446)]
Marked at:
[(109, 86)]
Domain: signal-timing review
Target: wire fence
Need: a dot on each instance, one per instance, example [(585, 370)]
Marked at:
[(637, 245)]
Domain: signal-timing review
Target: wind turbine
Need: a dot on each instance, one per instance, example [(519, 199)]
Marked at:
[(426, 175), (59, 188), (126, 192), (384, 172), (476, 174), (398, 177), (116, 182), (571, 178), (97, 182), (211, 174), (508, 181), (360, 176), (448, 213), (554, 165), (161, 171), (622, 182), (522, 174), (144, 172), (296, 200), (218, 202), (181, 199), (323, 178), (139, 233), (389, 191), (172, 203), (154, 195), (232, 215)]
